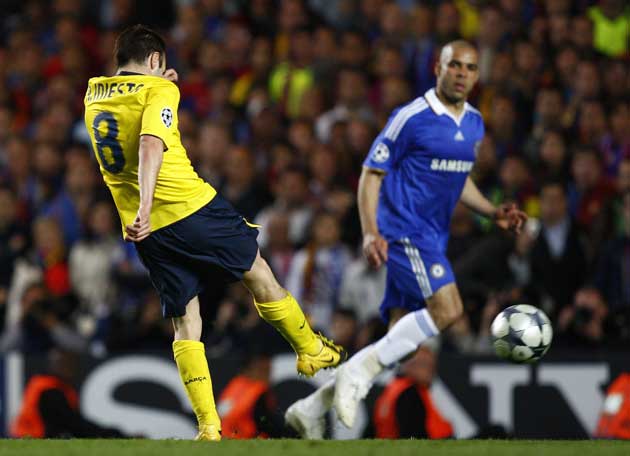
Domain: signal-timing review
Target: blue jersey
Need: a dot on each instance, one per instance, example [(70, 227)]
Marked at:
[(427, 154)]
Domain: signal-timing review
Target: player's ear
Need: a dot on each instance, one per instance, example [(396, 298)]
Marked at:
[(155, 61)]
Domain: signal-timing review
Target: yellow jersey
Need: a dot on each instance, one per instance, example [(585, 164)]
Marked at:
[(118, 110)]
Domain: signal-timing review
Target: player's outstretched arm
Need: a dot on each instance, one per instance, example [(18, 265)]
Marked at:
[(374, 246), (506, 216), (150, 160)]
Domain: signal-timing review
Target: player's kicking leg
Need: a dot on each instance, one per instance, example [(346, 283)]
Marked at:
[(276, 306), (306, 416), (190, 356), (354, 379)]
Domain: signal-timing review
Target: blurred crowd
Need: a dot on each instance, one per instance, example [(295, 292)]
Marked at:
[(280, 101)]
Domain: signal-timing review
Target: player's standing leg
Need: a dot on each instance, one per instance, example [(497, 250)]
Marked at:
[(306, 415), (280, 309), (354, 379), (190, 356)]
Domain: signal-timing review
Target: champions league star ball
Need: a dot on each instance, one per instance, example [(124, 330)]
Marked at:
[(521, 334)]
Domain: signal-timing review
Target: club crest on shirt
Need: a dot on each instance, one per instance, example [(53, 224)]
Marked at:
[(437, 271), (381, 153), (167, 117)]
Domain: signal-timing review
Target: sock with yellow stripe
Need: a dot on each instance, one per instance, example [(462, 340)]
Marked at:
[(190, 357), (287, 317)]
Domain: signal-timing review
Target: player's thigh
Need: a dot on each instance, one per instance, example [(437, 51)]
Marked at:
[(261, 281), (216, 241), (175, 282), (445, 305)]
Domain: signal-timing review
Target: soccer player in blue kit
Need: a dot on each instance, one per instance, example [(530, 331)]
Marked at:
[(414, 174)]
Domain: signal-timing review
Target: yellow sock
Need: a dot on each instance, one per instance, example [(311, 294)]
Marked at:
[(287, 317), (190, 357)]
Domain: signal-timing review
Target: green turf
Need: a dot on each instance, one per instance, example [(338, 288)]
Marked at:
[(298, 447)]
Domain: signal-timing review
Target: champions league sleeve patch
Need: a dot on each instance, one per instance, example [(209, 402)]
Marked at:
[(381, 153), (167, 117)]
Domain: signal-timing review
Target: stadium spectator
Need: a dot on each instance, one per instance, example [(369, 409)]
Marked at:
[(45, 261), (558, 259), (289, 80), (615, 145), (350, 101), (214, 140), (42, 323), (147, 330), (247, 405), (612, 273), (362, 289), (240, 186), (405, 409), (291, 194), (588, 194), (343, 328), (611, 20), (50, 407), (583, 323), (91, 266), (547, 114), (317, 269), (72, 203), (552, 157), (279, 251), (14, 239)]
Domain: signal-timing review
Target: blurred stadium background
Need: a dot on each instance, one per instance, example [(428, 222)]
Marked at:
[(280, 101)]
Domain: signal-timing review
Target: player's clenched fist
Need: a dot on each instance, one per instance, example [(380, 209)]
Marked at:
[(509, 217), (171, 75), (375, 249), (141, 227)]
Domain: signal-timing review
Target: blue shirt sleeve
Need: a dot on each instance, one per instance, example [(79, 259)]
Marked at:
[(388, 147)]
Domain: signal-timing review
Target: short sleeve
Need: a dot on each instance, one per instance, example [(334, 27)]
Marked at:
[(159, 118), (388, 147)]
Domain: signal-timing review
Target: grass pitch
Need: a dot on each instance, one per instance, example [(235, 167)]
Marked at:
[(300, 447)]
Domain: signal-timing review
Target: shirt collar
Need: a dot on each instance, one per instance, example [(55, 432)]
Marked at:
[(439, 108), (435, 103)]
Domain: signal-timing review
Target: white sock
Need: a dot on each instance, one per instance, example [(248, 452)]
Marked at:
[(320, 401), (405, 337)]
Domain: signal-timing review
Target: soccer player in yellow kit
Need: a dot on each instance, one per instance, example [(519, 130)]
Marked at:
[(185, 233)]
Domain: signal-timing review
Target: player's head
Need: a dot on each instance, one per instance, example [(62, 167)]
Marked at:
[(457, 70), (140, 46)]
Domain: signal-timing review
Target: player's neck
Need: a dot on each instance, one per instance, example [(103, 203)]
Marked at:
[(133, 68), (454, 107)]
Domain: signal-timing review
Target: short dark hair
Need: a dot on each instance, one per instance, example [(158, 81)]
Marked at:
[(553, 182), (136, 43)]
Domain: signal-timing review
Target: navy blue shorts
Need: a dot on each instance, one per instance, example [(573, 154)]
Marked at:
[(211, 246), (414, 273)]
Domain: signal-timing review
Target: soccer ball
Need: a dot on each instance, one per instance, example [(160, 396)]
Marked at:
[(521, 334)]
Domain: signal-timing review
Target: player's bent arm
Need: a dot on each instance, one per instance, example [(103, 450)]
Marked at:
[(367, 198), (473, 199), (374, 246), (151, 152)]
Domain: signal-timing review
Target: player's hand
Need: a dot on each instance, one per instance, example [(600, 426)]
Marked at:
[(141, 227), (171, 75), (509, 217), (375, 249)]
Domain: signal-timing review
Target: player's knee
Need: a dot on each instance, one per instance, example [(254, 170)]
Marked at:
[(262, 283), (453, 313), (187, 328)]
